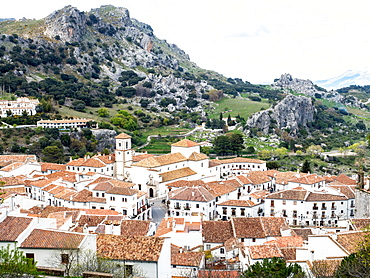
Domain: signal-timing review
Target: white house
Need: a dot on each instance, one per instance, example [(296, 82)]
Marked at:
[(18, 107), (64, 124), (322, 207), (141, 256), (53, 248), (192, 203)]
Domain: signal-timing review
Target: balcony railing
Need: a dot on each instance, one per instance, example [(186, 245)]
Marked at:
[(177, 207), (186, 208), (333, 207), (323, 208), (315, 208)]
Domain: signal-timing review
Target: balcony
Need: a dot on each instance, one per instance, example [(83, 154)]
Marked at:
[(314, 216), (333, 208), (177, 207), (186, 208), (315, 208), (323, 208)]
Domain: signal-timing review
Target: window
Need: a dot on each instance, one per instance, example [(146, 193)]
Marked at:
[(30, 256), (124, 199), (112, 198), (102, 194), (124, 212), (93, 207), (222, 250), (253, 240), (242, 212), (284, 202), (208, 246), (97, 194), (233, 211), (65, 258), (197, 206), (128, 270)]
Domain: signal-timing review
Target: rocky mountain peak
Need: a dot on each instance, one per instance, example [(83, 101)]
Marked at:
[(69, 24), (290, 113)]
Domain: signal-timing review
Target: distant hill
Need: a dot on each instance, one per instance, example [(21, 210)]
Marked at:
[(6, 19), (350, 77)]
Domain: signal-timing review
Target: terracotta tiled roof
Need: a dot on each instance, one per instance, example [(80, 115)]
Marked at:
[(134, 227), (213, 163), (361, 223), (265, 251), (64, 175), (86, 196), (187, 259), (12, 166), (342, 178), (238, 203), (348, 191), (197, 156), (107, 185), (9, 181), (351, 240), (324, 197), (177, 174), (198, 194), (304, 233), (130, 248), (6, 159), (248, 227), (157, 161), (66, 194), (185, 143), (220, 188), (52, 166), (44, 213), (241, 160), (287, 241), (12, 227), (291, 194), (181, 183), (98, 180), (165, 226), (97, 161), (243, 179), (137, 158), (274, 225), (289, 253), (217, 231), (309, 179), (122, 191), (52, 240), (122, 136), (324, 268), (258, 177), (42, 183), (91, 220), (260, 194)]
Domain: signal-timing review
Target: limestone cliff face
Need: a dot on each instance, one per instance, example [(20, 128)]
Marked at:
[(292, 112), (68, 24), (304, 86)]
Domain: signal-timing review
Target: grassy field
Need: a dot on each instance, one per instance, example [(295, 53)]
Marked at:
[(165, 130), (234, 107)]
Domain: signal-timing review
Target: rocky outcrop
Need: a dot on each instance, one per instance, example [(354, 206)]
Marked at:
[(304, 86), (106, 140), (290, 113), (68, 24)]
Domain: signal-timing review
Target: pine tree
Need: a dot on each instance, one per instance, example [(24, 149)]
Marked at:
[(306, 167)]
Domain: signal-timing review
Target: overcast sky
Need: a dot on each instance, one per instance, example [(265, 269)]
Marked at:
[(253, 40)]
